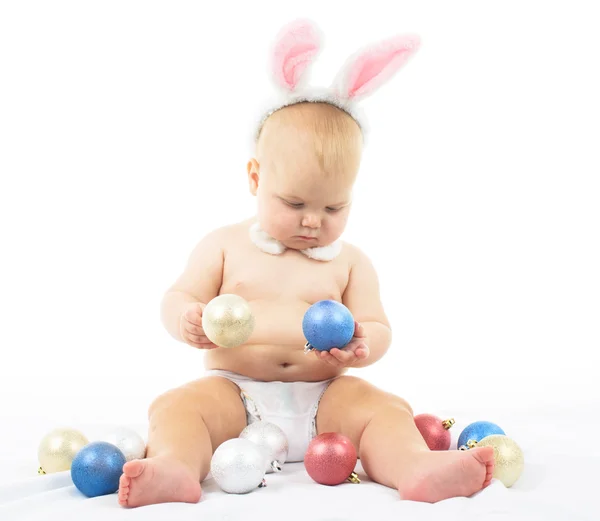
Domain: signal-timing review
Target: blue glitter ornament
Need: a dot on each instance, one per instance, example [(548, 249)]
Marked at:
[(475, 432), (96, 469), (327, 324)]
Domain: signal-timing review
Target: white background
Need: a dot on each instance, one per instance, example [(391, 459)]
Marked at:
[(124, 136)]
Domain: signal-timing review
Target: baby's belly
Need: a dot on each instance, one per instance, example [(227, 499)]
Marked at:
[(271, 363)]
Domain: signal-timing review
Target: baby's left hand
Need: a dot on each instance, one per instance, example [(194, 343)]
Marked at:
[(355, 351)]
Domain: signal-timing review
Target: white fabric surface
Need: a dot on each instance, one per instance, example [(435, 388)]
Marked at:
[(560, 482)]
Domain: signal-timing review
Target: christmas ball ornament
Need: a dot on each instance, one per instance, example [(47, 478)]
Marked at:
[(327, 324), (508, 458), (97, 468), (330, 459), (129, 442), (271, 439), (58, 448), (477, 431), (228, 321), (434, 431), (238, 466)]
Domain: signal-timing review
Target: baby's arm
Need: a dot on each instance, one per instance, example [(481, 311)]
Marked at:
[(363, 299), (200, 282)]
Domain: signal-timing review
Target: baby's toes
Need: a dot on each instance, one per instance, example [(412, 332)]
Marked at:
[(124, 483)]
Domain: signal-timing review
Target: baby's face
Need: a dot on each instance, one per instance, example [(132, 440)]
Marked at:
[(307, 161), (302, 207)]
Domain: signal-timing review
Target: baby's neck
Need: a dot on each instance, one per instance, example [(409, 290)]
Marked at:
[(272, 246)]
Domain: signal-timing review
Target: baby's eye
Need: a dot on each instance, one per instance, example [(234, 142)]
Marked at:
[(333, 209), (295, 205)]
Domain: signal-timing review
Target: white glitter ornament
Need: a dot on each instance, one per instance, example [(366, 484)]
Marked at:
[(128, 441), (272, 440), (58, 449), (227, 320), (238, 466)]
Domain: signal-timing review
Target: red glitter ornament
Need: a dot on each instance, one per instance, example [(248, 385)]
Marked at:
[(330, 459), (434, 431)]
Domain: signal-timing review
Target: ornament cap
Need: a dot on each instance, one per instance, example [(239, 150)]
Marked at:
[(470, 445), (41, 471), (263, 483), (308, 348), (448, 423), (353, 478), (276, 466)]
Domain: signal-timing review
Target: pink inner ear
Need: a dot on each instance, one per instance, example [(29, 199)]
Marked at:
[(376, 66), (295, 63), (294, 50)]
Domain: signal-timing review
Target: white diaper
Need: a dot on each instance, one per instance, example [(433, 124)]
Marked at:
[(290, 405)]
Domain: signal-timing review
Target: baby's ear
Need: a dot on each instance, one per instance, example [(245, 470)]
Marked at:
[(369, 68), (253, 169), (295, 48)]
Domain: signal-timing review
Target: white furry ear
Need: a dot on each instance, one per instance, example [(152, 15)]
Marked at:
[(294, 49), (369, 68)]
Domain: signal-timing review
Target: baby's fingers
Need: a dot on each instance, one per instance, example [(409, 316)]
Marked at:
[(342, 356), (199, 339), (329, 358), (362, 352), (359, 330), (194, 316), (193, 329), (203, 346), (201, 342)]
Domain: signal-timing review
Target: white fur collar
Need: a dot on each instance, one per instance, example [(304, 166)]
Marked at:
[(270, 245)]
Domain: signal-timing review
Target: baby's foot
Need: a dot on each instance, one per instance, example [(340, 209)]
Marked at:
[(157, 480), (441, 475)]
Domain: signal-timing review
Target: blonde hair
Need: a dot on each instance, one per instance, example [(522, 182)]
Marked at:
[(331, 133)]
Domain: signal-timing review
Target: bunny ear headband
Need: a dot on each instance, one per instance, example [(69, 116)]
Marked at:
[(296, 47)]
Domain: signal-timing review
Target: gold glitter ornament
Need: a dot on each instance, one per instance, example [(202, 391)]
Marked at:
[(228, 321), (58, 448), (508, 458)]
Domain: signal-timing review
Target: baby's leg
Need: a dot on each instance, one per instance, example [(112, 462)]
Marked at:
[(187, 424), (392, 450)]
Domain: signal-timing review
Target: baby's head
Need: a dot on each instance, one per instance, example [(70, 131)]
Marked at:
[(309, 148), (306, 161)]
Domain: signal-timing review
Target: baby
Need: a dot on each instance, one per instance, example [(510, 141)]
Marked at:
[(286, 258)]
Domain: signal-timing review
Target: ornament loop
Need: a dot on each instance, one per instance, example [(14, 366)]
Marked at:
[(353, 478), (448, 423), (470, 445)]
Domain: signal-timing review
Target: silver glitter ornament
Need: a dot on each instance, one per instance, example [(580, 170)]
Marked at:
[(238, 466), (128, 441), (272, 440), (228, 321)]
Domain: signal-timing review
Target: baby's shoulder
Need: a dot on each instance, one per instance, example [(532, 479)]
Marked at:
[(227, 234), (354, 253)]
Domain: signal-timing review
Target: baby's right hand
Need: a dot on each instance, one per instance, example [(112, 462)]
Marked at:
[(190, 327)]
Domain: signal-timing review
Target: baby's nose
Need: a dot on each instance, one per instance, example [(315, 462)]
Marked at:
[(311, 221)]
